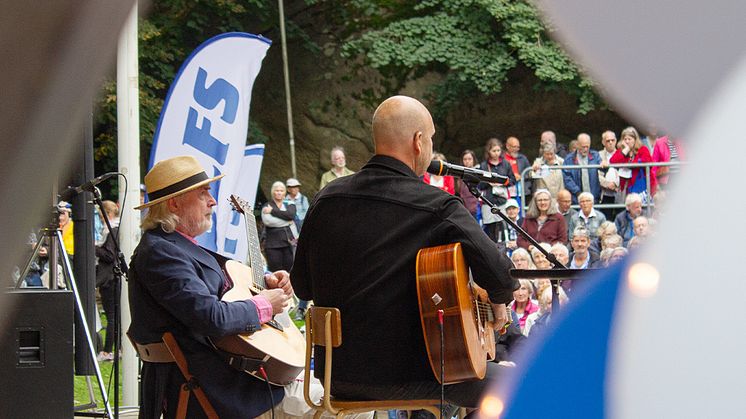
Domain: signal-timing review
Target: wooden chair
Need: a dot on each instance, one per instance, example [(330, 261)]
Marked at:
[(324, 328)]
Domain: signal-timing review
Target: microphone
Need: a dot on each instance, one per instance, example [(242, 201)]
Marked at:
[(441, 168), (70, 192)]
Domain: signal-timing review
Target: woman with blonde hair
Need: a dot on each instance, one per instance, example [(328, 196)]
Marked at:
[(632, 150), (279, 238)]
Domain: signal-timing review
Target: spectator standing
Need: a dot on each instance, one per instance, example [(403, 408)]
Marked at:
[(518, 163), (582, 180), (624, 220), (279, 238), (543, 221), (609, 178), (66, 225), (106, 254), (471, 202), (633, 151), (339, 167), (508, 234), (444, 183), (587, 217), (550, 137), (543, 178), (667, 149), (494, 192), (298, 199)]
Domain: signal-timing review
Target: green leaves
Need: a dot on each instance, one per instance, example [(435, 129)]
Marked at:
[(474, 43)]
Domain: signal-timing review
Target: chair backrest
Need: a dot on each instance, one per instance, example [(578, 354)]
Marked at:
[(317, 328)]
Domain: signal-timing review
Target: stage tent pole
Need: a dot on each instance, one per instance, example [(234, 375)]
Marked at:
[(128, 143)]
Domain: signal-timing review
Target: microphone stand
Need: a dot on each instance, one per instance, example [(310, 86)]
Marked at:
[(472, 182), (120, 270)]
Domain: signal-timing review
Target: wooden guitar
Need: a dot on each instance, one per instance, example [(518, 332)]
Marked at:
[(279, 343), (469, 342)]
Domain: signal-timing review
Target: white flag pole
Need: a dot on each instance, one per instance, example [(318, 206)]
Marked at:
[(128, 143)]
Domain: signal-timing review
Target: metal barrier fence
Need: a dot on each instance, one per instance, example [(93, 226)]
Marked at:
[(647, 166)]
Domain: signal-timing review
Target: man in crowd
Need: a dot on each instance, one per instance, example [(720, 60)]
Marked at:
[(587, 217), (641, 226), (339, 167), (508, 234), (564, 204), (582, 180), (608, 178), (297, 198), (358, 253), (549, 137), (518, 163), (582, 257), (176, 286), (624, 220)]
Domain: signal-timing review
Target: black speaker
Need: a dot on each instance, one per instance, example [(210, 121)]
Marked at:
[(36, 355)]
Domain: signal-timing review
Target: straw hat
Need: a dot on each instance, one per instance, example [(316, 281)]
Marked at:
[(174, 176)]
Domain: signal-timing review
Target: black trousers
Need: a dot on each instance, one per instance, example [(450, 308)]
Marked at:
[(465, 394), (108, 301), (279, 258)]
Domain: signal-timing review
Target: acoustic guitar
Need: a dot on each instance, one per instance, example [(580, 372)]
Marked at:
[(279, 344), (443, 283)]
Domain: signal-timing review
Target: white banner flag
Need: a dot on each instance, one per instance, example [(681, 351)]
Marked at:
[(206, 115), (235, 244)]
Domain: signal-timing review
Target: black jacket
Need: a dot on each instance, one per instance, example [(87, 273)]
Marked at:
[(357, 252), (174, 286)]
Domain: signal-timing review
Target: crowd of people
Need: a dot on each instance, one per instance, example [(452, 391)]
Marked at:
[(560, 211)]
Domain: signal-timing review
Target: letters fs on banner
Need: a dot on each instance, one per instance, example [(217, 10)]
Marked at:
[(206, 115)]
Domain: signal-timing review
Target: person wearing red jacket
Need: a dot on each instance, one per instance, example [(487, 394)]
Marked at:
[(632, 150)]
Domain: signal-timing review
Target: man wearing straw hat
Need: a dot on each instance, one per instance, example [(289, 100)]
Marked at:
[(175, 286)]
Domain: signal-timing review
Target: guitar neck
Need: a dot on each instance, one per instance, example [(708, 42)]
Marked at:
[(255, 252)]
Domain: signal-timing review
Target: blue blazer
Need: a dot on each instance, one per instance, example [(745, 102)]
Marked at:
[(174, 285), (572, 177)]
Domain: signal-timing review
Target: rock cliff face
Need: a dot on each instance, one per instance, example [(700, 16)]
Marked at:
[(333, 103)]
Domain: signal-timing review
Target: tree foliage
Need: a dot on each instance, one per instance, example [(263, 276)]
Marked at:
[(473, 43)]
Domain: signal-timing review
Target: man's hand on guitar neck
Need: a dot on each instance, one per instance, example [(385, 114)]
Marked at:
[(501, 317), (279, 279)]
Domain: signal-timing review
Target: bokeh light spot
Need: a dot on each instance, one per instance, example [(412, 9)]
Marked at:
[(492, 407), (643, 279)]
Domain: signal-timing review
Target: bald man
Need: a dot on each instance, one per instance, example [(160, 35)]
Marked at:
[(358, 251)]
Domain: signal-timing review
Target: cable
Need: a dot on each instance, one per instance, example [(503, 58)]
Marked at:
[(442, 364), (269, 387)]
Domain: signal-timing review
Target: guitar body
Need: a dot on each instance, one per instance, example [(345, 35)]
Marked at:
[(443, 284), (283, 351)]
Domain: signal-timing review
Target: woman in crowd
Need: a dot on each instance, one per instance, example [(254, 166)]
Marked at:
[(521, 259), (469, 159), (551, 180), (279, 238), (496, 193), (543, 220), (606, 229), (667, 149), (523, 305), (540, 319), (445, 183), (633, 151)]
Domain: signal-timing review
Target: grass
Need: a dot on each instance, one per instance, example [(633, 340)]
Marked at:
[(81, 396)]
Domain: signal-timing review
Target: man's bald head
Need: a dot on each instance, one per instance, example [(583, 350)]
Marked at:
[(403, 129)]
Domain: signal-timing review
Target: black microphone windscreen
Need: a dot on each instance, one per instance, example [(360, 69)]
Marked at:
[(436, 168)]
